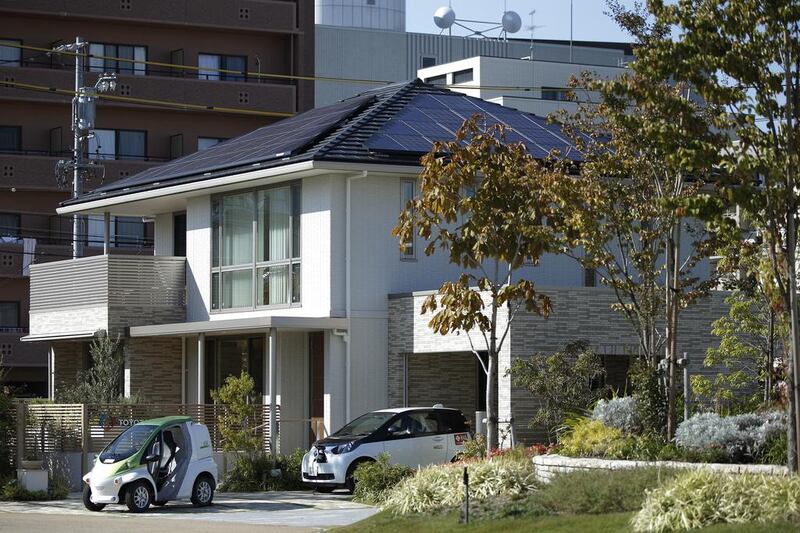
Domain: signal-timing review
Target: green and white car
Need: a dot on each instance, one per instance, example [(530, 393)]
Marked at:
[(154, 461)]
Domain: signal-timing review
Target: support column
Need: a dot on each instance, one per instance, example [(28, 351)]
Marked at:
[(201, 368), (183, 369), (51, 373), (335, 382), (273, 390), (106, 233)]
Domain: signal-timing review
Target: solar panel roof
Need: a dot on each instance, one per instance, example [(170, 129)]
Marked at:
[(274, 141), (392, 124), (436, 117)]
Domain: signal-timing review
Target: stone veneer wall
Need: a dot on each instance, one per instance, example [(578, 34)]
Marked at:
[(580, 313), (69, 360), (548, 466), (153, 369), (455, 385)]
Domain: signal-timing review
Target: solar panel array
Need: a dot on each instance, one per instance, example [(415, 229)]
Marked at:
[(274, 141), (437, 117)]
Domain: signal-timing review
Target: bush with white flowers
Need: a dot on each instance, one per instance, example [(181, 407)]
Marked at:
[(619, 413), (739, 437)]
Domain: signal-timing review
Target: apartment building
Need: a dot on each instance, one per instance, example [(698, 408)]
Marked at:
[(267, 37)]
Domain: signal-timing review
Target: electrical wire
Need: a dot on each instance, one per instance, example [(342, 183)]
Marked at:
[(148, 101), (250, 74)]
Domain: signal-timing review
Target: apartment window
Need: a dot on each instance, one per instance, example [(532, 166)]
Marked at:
[(428, 61), (210, 64), (10, 56), (118, 144), (437, 80), (126, 232), (462, 76), (10, 225), (551, 93), (407, 190), (256, 248), (589, 277), (9, 315), (100, 55), (208, 142), (10, 138)]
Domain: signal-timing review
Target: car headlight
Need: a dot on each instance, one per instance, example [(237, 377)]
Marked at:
[(347, 447)]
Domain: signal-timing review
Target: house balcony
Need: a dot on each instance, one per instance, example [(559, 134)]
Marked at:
[(75, 298)]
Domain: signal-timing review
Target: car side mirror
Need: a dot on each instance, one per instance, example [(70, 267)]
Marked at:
[(150, 458)]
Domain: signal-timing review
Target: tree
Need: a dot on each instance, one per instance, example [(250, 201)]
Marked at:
[(626, 208), (742, 57), (484, 203), (564, 383), (102, 382), (236, 422)]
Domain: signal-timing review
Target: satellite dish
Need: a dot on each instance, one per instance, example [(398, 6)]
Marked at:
[(445, 17), (511, 21)]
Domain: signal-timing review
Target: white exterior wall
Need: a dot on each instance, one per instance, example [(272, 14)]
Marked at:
[(381, 15), (198, 258)]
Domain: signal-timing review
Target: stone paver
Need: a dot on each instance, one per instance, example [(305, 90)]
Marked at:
[(287, 509)]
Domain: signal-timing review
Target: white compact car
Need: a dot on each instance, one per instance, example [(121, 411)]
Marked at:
[(154, 461), (412, 436)]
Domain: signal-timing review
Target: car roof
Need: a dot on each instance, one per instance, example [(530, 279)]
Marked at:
[(405, 409), (166, 420)]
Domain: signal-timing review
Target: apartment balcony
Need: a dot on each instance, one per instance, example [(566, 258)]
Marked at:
[(74, 298), (180, 86), (249, 15), (15, 353)]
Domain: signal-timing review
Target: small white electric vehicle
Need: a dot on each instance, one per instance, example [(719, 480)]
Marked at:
[(154, 461), (412, 436)]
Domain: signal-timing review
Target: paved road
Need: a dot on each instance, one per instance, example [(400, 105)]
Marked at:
[(268, 512)]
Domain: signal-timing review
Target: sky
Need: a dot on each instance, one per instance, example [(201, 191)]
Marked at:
[(589, 21)]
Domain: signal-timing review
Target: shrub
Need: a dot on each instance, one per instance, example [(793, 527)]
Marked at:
[(620, 413), (740, 437), (599, 491), (237, 420), (375, 479), (263, 472), (591, 438), (441, 486), (774, 452), (474, 448), (12, 491), (7, 433), (700, 498), (651, 402), (101, 383), (562, 382)]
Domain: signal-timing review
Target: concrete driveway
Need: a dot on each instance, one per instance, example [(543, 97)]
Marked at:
[(267, 511)]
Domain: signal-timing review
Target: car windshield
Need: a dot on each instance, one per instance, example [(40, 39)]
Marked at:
[(364, 424), (127, 443)]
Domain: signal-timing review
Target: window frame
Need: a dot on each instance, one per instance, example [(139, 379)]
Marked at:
[(423, 58), (18, 305), (144, 71), (403, 182), (18, 148), (255, 265), (117, 155), (463, 72), (223, 65), (18, 233), (20, 42)]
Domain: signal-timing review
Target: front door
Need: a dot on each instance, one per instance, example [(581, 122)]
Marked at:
[(229, 356)]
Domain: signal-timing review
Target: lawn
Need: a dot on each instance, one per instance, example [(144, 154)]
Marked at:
[(385, 521)]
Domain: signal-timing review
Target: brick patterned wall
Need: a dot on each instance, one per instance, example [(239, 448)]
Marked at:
[(121, 317), (154, 367), (578, 314), (446, 378), (69, 360)]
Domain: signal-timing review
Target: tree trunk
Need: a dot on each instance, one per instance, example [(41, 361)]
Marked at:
[(491, 403), (672, 303), (792, 371)]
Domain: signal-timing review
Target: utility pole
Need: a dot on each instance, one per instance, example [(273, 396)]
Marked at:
[(570, 30), (83, 117)]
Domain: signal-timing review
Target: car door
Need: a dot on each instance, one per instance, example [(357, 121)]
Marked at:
[(406, 441)]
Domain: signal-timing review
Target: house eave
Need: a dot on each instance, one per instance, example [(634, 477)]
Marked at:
[(239, 325)]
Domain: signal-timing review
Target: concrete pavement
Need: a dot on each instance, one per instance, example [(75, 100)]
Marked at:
[(265, 512)]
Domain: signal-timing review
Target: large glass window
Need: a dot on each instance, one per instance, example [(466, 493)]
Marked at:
[(11, 54), (211, 64), (9, 315), (256, 248), (118, 144), (103, 56), (10, 138), (10, 226)]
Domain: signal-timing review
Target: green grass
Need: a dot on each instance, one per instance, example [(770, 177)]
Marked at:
[(385, 521)]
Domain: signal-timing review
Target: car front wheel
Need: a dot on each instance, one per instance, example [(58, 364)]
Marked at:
[(87, 500), (138, 497)]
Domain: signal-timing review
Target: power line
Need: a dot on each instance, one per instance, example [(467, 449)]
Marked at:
[(148, 101)]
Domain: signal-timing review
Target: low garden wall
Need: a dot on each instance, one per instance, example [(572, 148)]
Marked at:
[(548, 466)]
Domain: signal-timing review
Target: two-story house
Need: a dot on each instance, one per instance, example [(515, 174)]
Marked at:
[(291, 272)]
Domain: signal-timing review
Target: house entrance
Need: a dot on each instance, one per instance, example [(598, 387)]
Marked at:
[(229, 356)]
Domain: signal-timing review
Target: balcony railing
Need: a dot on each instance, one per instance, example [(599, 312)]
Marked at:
[(110, 292)]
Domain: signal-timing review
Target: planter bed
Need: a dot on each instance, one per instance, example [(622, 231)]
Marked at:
[(548, 466)]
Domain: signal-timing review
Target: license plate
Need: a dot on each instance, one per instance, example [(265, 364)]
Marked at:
[(314, 470), (461, 438)]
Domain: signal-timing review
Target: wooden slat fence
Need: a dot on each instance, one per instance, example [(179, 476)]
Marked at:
[(90, 427)]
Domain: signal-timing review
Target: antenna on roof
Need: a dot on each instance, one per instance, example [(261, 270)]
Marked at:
[(445, 18)]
